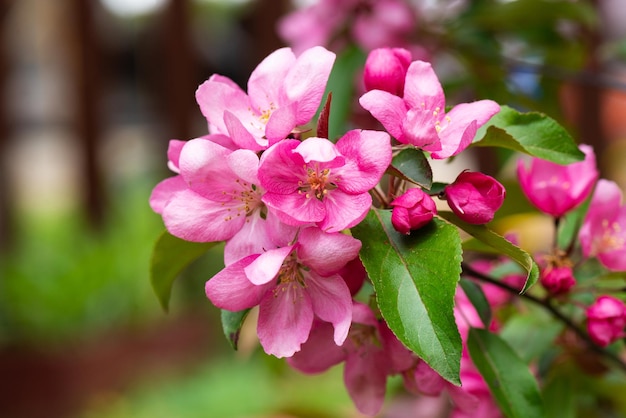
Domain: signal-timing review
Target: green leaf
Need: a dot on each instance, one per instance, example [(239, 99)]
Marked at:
[(169, 257), (501, 244), (411, 164), (232, 323), (415, 278), (532, 133), (478, 299), (531, 333), (511, 383)]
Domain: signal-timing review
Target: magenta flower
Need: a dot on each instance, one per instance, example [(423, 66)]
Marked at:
[(557, 280), (292, 285), (371, 353), (606, 319), (412, 210), (475, 197), (318, 182), (214, 195), (385, 69), (283, 92), (603, 233), (419, 117), (556, 189)]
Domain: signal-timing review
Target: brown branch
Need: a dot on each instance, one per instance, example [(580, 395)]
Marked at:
[(550, 308)]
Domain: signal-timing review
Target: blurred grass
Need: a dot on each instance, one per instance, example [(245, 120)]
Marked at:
[(233, 387), (62, 278)]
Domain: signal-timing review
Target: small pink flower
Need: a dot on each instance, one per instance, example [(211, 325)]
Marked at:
[(606, 319), (603, 233), (475, 197), (293, 285), (419, 117), (283, 92), (557, 280), (385, 69), (316, 181), (556, 189), (412, 210)]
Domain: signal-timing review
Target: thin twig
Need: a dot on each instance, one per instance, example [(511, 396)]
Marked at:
[(550, 308)]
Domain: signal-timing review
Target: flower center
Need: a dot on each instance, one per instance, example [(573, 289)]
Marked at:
[(290, 276), (317, 183), (610, 239), (245, 198), (438, 126)]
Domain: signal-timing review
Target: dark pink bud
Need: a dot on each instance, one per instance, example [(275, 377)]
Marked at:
[(606, 320), (475, 197), (557, 279), (412, 210), (385, 69)]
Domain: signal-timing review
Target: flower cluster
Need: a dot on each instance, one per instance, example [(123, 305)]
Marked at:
[(281, 196)]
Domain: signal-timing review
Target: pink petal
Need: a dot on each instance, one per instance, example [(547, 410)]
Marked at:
[(419, 129), (326, 253), (216, 95), (242, 136), (265, 83), (252, 238), (344, 210), (306, 82), (203, 162), (280, 168), (332, 302), (164, 191), (365, 377), (319, 150), (368, 154), (280, 124), (285, 320), (388, 109), (319, 352), (464, 120), (297, 207), (267, 265), (245, 165), (422, 88), (173, 152), (230, 289), (191, 217)]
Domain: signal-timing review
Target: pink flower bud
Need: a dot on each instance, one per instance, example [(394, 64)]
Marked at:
[(556, 189), (385, 69), (475, 197), (412, 210), (606, 320), (557, 279)]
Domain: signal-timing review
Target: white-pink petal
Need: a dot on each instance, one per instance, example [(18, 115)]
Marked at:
[(230, 289), (332, 302), (267, 265), (285, 320), (388, 109), (326, 253), (344, 210), (422, 88)]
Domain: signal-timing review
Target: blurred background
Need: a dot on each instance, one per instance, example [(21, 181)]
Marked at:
[(92, 91)]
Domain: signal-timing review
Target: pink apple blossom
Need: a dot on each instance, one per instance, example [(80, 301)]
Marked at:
[(475, 197), (371, 353), (419, 117), (318, 182), (606, 319), (215, 194), (556, 189), (283, 92), (603, 233), (412, 210), (292, 284)]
